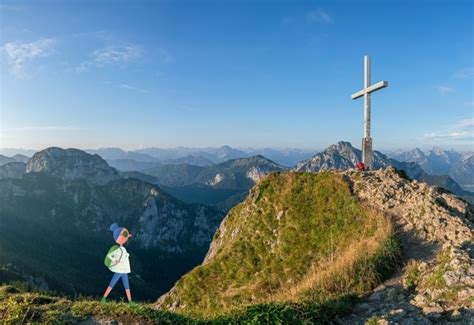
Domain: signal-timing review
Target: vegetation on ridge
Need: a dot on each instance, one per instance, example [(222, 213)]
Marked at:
[(18, 304), (299, 238)]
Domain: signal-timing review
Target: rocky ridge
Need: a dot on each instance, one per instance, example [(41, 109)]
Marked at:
[(436, 229)]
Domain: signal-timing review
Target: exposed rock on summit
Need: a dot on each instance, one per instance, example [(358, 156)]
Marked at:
[(343, 155), (72, 164)]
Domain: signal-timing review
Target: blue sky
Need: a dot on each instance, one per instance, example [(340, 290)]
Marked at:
[(136, 74)]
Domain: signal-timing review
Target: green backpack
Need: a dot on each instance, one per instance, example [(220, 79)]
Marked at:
[(114, 254)]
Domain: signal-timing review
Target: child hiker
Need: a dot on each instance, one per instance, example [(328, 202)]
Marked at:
[(117, 261)]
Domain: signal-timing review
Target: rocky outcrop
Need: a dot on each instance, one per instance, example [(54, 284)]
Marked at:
[(233, 174), (240, 173), (343, 155), (72, 164), (436, 228)]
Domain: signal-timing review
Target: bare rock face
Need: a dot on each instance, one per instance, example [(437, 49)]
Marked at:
[(72, 164), (436, 229)]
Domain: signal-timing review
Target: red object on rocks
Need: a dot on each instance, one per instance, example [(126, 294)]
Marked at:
[(360, 166)]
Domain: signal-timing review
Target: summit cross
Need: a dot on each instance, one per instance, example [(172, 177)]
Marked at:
[(367, 154)]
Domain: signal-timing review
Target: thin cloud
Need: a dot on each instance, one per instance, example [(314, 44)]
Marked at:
[(464, 73), (319, 15), (464, 135), (103, 35), (20, 55), (141, 90), (466, 123), (117, 54), (444, 90), (463, 130), (112, 55)]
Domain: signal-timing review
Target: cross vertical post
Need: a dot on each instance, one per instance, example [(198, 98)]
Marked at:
[(367, 154)]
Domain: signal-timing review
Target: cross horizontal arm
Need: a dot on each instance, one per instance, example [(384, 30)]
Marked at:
[(374, 87)]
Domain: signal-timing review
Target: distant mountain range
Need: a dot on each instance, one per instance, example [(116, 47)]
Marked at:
[(432, 166), (223, 184), (16, 158), (142, 159), (285, 157), (55, 211), (458, 165)]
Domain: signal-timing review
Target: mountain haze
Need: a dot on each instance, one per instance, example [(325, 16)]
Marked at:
[(460, 166)]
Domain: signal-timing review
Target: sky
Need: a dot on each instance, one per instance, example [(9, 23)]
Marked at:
[(135, 74)]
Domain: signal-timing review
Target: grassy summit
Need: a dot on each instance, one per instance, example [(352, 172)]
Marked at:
[(298, 238)]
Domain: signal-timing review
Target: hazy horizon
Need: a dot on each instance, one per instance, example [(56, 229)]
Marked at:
[(315, 150)]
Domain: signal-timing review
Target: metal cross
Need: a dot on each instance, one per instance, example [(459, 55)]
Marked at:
[(367, 155)]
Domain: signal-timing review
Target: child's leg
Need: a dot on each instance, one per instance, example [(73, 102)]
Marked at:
[(111, 284), (126, 286)]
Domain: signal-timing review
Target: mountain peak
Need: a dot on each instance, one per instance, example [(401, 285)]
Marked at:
[(343, 144), (72, 164)]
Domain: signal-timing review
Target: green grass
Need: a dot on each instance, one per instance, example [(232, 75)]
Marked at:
[(262, 259), (412, 275), (436, 280), (288, 313), (18, 306)]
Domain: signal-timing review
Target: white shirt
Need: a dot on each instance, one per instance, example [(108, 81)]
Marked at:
[(123, 265)]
